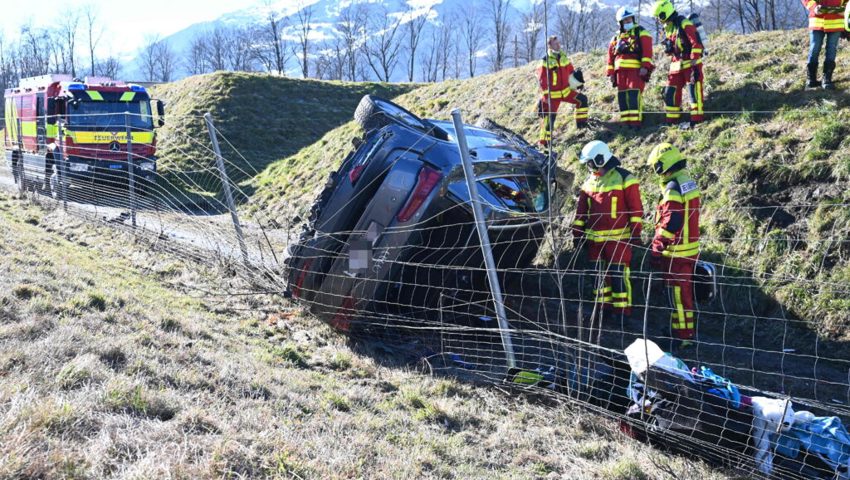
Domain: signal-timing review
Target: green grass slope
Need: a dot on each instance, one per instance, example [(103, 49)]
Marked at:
[(770, 144), (115, 364), (266, 117)]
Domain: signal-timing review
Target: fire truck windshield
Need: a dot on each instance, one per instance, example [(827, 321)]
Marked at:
[(109, 115)]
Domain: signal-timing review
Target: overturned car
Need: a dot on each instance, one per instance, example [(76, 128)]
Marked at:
[(394, 225)]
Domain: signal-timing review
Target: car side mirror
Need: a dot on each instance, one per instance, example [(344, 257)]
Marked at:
[(160, 112)]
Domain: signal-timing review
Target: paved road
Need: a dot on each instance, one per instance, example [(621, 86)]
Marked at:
[(184, 227)]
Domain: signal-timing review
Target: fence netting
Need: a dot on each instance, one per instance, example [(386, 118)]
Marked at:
[(397, 260)]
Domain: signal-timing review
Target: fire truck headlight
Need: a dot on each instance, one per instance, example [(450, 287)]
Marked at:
[(147, 166), (78, 167)]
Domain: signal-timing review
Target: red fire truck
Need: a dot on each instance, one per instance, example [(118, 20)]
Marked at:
[(95, 116)]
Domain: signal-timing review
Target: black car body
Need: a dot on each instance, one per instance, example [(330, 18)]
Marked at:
[(400, 204)]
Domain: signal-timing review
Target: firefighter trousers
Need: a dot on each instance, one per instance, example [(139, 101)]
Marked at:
[(679, 279), (548, 113), (613, 289), (630, 96), (673, 92)]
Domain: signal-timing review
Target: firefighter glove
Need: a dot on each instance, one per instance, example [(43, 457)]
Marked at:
[(613, 78), (845, 35), (644, 74)]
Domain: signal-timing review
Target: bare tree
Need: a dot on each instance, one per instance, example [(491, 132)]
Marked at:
[(382, 46), (157, 60), (196, 56), (413, 29), (498, 11), (471, 31), (94, 32), (110, 67), (305, 16), (351, 28), (532, 30), (68, 27), (216, 51), (273, 40)]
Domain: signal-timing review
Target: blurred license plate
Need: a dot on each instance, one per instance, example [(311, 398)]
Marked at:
[(115, 167)]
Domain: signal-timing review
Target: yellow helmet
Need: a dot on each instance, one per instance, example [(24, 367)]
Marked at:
[(664, 157), (664, 9)]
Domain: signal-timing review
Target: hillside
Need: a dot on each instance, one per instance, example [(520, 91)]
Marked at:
[(774, 163), (119, 362), (265, 116)]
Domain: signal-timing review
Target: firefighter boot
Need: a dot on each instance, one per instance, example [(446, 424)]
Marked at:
[(813, 76), (828, 69)]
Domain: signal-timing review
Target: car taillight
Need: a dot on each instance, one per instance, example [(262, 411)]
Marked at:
[(342, 319), (355, 172), (305, 269), (428, 179)]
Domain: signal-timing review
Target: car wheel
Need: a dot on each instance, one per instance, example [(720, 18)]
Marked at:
[(374, 113)]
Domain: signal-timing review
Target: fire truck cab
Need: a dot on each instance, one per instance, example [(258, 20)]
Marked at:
[(95, 116)]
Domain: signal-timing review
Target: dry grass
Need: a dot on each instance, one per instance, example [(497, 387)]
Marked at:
[(113, 365)]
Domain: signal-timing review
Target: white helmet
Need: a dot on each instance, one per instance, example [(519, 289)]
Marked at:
[(624, 13), (595, 154)]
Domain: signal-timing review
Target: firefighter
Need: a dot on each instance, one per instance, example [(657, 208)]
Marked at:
[(630, 66), (826, 22), (682, 42), (675, 246), (609, 216), (559, 82)]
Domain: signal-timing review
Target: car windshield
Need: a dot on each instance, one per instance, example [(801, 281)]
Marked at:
[(520, 194), (110, 115)]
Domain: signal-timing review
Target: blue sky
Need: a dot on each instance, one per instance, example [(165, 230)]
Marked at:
[(126, 23)]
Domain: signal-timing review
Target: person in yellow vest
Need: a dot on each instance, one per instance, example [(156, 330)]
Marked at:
[(826, 24), (559, 82)]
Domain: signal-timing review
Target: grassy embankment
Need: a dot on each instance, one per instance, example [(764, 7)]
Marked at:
[(773, 182), (115, 364), (264, 116)]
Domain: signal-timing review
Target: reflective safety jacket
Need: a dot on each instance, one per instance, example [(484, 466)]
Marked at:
[(555, 71), (677, 218), (831, 15), (609, 207), (686, 50), (630, 50)]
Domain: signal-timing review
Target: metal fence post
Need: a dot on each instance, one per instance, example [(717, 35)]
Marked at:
[(131, 170), (21, 163), (62, 173), (225, 185), (484, 238)]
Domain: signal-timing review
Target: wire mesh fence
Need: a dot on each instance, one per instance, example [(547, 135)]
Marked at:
[(392, 250)]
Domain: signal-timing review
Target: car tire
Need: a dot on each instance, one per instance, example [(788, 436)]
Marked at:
[(374, 113)]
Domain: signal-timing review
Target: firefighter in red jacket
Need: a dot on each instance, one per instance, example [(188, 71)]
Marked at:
[(682, 43), (609, 216), (675, 247), (559, 82), (630, 66), (826, 23)]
